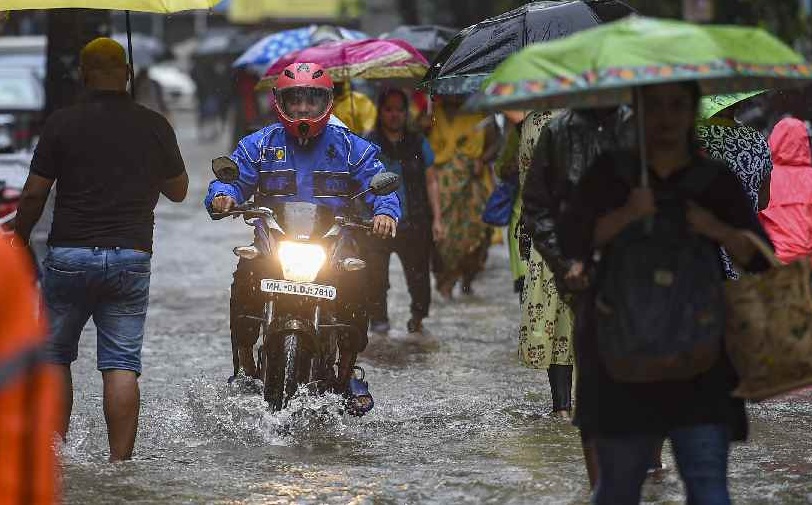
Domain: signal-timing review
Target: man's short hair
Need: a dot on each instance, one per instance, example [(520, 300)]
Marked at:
[(102, 54)]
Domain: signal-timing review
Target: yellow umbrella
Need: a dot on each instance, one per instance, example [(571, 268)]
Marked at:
[(163, 6), (122, 5)]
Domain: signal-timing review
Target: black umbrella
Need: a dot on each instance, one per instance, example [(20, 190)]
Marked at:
[(428, 39), (476, 51)]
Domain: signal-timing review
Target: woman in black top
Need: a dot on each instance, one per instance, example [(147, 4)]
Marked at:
[(628, 420), (408, 154)]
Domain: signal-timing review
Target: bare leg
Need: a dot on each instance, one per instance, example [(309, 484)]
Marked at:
[(122, 400), (67, 398)]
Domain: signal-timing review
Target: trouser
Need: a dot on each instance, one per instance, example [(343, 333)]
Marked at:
[(413, 245), (248, 303), (701, 452), (561, 386)]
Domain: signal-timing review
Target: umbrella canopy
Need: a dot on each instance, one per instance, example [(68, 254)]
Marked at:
[(265, 52), (475, 52), (122, 5), (714, 104), (356, 59), (428, 39), (601, 66)]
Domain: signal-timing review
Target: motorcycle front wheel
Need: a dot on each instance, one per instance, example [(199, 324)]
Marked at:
[(283, 368)]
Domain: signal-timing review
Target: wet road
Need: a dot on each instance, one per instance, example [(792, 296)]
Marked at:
[(457, 420)]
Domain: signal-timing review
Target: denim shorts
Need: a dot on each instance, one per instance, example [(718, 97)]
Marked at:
[(109, 285)]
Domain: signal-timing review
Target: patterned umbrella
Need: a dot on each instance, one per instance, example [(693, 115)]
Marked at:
[(602, 66), (608, 65), (370, 59), (264, 53)]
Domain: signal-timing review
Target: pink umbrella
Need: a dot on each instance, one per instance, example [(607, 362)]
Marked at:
[(372, 59)]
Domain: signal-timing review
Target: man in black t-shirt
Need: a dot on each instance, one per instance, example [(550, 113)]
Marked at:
[(111, 159)]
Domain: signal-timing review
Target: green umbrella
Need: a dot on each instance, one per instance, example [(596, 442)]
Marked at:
[(601, 66), (714, 104), (609, 64)]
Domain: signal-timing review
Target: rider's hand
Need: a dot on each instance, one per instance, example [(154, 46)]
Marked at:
[(223, 203), (384, 226)]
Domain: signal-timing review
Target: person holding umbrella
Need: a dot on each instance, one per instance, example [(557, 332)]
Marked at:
[(697, 413)]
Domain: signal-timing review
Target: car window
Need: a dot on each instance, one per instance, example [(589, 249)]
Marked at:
[(19, 92)]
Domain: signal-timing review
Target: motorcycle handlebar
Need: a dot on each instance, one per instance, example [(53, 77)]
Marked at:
[(249, 208)]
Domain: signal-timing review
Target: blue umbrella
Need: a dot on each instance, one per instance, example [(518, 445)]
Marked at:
[(264, 53)]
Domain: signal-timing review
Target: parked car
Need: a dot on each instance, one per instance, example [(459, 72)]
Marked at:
[(13, 173), (22, 101)]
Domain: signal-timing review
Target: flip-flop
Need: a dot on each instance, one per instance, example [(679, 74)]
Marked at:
[(359, 399)]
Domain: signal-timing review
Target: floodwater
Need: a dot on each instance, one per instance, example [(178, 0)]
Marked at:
[(457, 418)]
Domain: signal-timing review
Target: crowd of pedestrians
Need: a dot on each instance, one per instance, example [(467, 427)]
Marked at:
[(581, 207)]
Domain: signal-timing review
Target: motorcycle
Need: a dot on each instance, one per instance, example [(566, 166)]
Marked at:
[(304, 249)]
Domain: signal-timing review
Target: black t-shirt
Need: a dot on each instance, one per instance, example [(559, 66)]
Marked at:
[(109, 157)]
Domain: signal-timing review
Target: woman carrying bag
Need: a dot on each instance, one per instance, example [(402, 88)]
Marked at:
[(680, 385)]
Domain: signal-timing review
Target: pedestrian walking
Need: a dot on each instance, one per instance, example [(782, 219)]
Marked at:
[(463, 145), (695, 203), (29, 389), (567, 145), (408, 154), (747, 154), (788, 218), (111, 159)]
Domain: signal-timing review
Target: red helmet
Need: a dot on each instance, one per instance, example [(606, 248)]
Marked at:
[(304, 99)]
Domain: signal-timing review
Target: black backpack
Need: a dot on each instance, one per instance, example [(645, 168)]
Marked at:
[(660, 304)]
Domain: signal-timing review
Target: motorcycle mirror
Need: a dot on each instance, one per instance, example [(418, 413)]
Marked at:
[(225, 169), (384, 183)]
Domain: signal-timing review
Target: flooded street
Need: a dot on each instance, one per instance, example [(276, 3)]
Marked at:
[(457, 418)]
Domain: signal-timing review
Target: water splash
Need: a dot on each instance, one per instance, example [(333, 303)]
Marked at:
[(238, 412)]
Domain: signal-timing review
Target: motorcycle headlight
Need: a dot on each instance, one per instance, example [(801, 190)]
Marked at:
[(301, 262)]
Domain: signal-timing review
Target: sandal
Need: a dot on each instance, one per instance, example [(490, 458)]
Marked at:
[(359, 400)]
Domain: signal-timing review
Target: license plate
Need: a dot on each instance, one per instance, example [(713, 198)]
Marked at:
[(298, 289)]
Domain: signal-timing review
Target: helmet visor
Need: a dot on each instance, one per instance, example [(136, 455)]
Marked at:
[(304, 102)]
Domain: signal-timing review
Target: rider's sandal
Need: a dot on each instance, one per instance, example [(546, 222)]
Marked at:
[(359, 399)]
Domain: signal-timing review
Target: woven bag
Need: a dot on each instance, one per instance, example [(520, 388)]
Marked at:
[(769, 327)]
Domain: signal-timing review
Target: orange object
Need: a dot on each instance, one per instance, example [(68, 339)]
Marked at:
[(30, 391)]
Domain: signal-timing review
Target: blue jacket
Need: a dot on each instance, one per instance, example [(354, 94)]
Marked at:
[(327, 171)]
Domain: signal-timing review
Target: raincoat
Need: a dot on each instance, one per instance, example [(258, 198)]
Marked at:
[(327, 171), (30, 391), (788, 218), (565, 149), (356, 111)]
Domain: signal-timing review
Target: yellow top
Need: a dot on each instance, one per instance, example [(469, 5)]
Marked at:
[(463, 134), (356, 111)]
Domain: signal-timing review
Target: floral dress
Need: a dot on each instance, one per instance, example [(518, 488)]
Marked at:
[(545, 331)]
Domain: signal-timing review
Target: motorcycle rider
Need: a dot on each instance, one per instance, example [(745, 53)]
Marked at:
[(304, 157)]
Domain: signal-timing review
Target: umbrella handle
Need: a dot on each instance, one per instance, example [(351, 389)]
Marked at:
[(640, 112), (130, 53)]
